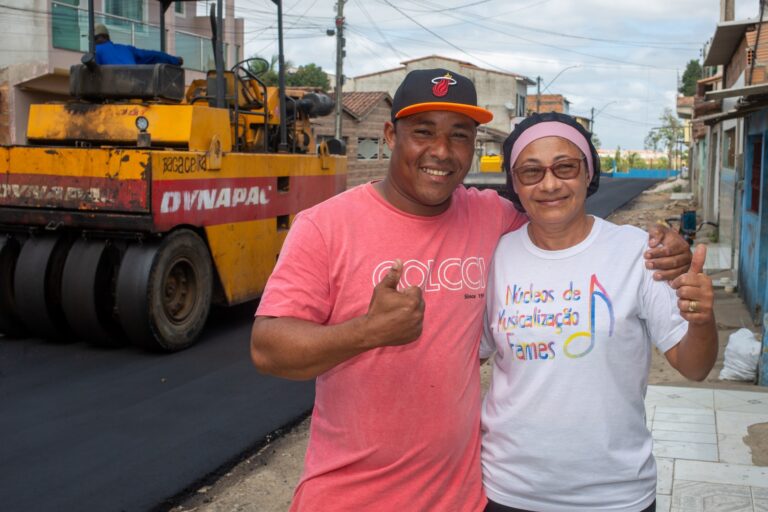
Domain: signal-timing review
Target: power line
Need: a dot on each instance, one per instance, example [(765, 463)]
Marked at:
[(376, 27), (443, 39), (493, 17), (540, 44), (457, 8), (365, 44)]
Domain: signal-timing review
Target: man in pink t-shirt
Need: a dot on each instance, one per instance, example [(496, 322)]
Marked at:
[(379, 293)]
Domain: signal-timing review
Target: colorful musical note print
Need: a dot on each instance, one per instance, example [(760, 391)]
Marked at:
[(593, 294)]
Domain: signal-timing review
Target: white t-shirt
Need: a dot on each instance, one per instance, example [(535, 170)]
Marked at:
[(564, 418)]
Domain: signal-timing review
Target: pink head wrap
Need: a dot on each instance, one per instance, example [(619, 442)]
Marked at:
[(551, 129)]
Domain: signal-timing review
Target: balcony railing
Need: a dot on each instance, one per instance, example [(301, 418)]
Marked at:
[(70, 32)]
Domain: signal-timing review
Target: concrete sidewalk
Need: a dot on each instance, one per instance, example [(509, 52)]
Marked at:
[(711, 438), (701, 446)]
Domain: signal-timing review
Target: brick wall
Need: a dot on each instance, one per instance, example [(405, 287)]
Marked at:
[(371, 127), (547, 103), (739, 63)]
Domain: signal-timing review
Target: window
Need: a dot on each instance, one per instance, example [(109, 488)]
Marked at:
[(729, 148), (204, 7), (367, 149), (754, 186), (131, 9), (209, 63), (520, 112), (65, 27), (189, 48), (178, 8), (386, 153)]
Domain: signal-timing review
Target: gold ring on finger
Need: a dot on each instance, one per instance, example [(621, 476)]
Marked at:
[(693, 306)]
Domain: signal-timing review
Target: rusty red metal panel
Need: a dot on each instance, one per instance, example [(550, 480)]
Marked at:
[(74, 192), (208, 202)]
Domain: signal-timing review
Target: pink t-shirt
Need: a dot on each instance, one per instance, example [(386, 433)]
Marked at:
[(395, 428)]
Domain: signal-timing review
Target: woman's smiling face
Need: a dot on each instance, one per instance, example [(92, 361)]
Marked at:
[(553, 201)]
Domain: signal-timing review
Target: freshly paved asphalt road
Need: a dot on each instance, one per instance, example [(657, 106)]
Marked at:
[(89, 429), (615, 193)]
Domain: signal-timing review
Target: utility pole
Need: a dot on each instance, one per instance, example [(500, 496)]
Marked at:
[(538, 94), (592, 121), (218, 53), (282, 147), (339, 62)]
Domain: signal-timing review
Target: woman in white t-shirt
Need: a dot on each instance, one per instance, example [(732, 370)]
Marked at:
[(572, 314)]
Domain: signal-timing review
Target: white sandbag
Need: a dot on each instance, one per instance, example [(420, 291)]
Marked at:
[(742, 354)]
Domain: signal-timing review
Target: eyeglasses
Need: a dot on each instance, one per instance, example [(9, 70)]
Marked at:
[(565, 169)]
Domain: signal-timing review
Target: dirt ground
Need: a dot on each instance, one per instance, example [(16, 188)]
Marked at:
[(264, 481)]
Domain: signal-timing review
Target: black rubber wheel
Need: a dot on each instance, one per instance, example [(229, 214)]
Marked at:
[(88, 293), (164, 291), (10, 323), (37, 286)]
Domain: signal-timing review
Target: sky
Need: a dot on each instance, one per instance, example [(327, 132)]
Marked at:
[(622, 58)]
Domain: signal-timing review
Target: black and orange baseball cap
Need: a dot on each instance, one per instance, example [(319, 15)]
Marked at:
[(424, 90)]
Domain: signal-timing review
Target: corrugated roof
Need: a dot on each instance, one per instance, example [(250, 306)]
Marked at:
[(359, 104)]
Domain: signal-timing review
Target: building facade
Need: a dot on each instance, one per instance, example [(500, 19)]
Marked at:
[(504, 94), (49, 36), (549, 103), (362, 128), (732, 119)]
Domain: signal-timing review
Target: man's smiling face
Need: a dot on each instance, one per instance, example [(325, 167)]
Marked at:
[(431, 154)]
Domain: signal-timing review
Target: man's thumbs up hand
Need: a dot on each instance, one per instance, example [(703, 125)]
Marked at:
[(694, 290), (392, 278), (394, 316)]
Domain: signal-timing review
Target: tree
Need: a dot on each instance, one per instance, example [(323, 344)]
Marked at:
[(691, 74), (308, 75), (665, 137), (606, 164), (596, 141), (634, 161), (265, 69)]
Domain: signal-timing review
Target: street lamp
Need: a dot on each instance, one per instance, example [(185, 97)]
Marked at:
[(558, 74), (539, 91), (595, 114)]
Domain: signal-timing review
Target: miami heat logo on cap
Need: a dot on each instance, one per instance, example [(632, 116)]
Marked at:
[(441, 84)]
